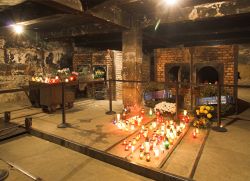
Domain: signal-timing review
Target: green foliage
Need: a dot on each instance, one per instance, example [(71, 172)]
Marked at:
[(226, 109), (208, 91), (211, 90)]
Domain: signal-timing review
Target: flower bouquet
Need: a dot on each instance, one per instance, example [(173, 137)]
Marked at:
[(165, 108), (63, 73), (203, 115)]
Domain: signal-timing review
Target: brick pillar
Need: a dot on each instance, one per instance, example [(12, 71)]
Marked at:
[(132, 61)]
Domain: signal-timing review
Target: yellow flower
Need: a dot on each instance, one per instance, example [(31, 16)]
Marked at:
[(212, 108), (202, 107), (205, 111), (208, 108), (202, 111), (197, 112), (209, 116)]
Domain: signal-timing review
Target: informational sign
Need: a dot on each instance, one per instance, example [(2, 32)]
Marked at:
[(214, 100), (161, 94), (99, 71)]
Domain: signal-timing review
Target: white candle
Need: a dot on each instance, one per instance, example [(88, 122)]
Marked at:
[(119, 125), (197, 130), (132, 149), (185, 112), (154, 124), (150, 112), (182, 125), (157, 153), (118, 117), (162, 147), (147, 146)]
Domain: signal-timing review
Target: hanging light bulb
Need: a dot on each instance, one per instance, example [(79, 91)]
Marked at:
[(18, 29)]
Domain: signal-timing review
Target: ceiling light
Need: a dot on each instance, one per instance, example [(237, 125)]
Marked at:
[(171, 2), (18, 29)]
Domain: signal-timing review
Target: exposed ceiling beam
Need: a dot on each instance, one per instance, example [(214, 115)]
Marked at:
[(68, 6), (27, 11), (88, 4), (110, 12), (210, 25), (8, 3), (77, 31), (202, 39), (181, 3), (199, 12), (212, 36)]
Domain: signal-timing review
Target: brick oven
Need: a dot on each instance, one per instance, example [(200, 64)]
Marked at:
[(201, 65)]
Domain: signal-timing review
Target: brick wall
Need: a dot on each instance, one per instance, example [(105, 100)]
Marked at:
[(112, 59), (81, 59), (93, 57), (215, 56), (168, 55)]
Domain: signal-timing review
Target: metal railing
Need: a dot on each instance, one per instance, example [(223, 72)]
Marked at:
[(177, 86)]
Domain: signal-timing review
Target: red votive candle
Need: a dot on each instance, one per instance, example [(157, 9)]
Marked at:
[(194, 134), (126, 148), (148, 158), (141, 148), (141, 155)]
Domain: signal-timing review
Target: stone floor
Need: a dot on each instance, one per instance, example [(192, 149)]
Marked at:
[(226, 156)]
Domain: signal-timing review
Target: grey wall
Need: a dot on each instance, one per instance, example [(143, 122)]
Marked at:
[(244, 64)]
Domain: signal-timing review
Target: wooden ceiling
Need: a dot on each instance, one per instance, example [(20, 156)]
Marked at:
[(99, 23)]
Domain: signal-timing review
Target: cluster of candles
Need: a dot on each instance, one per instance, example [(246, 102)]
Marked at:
[(54, 80), (127, 124), (156, 138), (184, 117)]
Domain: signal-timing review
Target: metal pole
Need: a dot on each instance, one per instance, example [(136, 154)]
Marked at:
[(236, 76), (177, 99), (236, 99), (219, 106), (28, 123), (219, 127), (63, 124), (110, 112), (7, 116)]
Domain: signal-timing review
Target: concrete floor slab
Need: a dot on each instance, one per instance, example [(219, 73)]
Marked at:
[(226, 156), (89, 123), (52, 162), (182, 159)]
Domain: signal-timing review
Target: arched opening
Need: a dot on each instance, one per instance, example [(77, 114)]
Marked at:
[(208, 75), (173, 74)]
